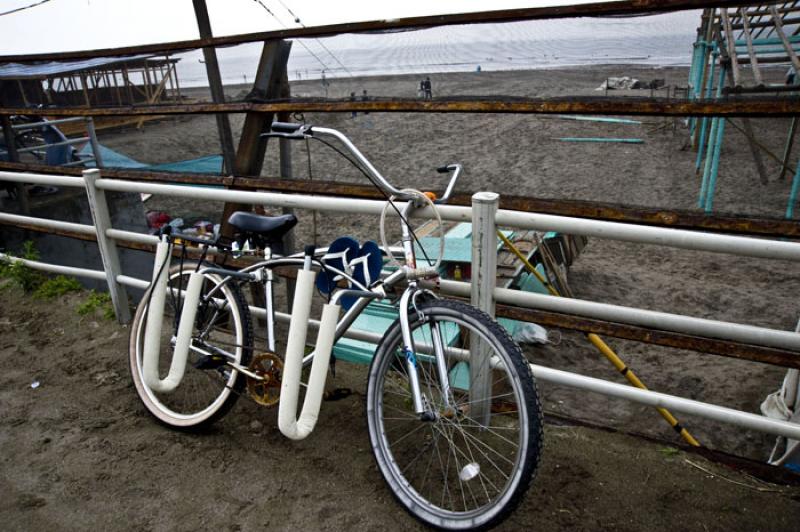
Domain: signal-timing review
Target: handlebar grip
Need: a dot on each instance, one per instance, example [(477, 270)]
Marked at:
[(285, 127), (444, 169)]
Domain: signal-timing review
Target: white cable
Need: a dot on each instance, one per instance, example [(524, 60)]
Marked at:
[(414, 194)]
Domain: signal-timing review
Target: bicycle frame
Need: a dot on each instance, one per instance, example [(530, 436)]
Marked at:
[(331, 328)]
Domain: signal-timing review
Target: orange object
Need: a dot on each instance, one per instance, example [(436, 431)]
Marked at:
[(430, 195)]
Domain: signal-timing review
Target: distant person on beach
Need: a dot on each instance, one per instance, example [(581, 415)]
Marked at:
[(365, 98), (421, 89), (325, 83), (353, 99), (426, 88)]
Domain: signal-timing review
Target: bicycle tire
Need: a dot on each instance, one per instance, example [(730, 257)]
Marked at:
[(515, 424), (204, 395)]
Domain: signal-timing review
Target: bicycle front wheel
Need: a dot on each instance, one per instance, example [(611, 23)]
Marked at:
[(469, 465), (223, 326)]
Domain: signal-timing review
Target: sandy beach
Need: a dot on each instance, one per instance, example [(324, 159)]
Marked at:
[(82, 442)]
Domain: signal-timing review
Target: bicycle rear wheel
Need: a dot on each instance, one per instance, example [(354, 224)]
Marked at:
[(456, 471), (222, 325)]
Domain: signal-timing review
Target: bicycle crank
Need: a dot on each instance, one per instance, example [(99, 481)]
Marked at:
[(266, 389)]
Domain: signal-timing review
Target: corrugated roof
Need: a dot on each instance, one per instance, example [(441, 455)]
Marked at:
[(55, 68)]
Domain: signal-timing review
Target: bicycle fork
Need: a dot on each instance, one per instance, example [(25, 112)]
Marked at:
[(422, 406)]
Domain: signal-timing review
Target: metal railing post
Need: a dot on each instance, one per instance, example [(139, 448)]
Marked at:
[(108, 247), (484, 275), (90, 129)]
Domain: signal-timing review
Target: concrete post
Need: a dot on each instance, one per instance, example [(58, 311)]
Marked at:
[(108, 247), (484, 275)]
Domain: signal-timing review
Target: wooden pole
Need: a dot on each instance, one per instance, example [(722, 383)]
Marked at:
[(215, 83), (750, 52), (730, 41), (22, 93), (177, 82), (84, 85), (787, 150), (13, 156), (786, 44)]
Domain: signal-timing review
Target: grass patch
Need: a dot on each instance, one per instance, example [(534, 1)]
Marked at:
[(97, 301), (57, 287), (27, 278)]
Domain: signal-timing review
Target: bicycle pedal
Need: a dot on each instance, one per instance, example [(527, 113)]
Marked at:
[(210, 362)]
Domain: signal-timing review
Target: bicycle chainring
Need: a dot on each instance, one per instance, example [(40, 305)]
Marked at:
[(269, 366)]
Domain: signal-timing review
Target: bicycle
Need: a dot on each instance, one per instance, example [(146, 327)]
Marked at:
[(452, 411)]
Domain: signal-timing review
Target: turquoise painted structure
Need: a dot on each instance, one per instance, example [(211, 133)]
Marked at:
[(600, 139), (378, 316), (710, 132)]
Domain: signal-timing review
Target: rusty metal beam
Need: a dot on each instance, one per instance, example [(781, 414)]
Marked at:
[(772, 227), (596, 9), (754, 353), (595, 105)]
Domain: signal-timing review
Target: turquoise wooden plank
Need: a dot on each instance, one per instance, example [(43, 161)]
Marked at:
[(459, 376), (462, 230), (455, 249), (600, 119), (376, 319), (599, 139)]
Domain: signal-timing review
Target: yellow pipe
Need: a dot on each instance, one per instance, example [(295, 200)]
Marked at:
[(604, 347)]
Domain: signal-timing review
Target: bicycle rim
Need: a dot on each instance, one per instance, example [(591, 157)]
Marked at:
[(222, 323), (456, 472)]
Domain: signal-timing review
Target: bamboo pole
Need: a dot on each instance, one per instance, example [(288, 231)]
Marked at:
[(787, 150), (604, 348), (750, 52), (784, 40), (731, 46)]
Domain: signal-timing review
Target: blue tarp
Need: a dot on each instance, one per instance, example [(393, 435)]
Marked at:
[(210, 164)]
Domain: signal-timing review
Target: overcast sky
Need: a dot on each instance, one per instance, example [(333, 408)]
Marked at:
[(62, 25)]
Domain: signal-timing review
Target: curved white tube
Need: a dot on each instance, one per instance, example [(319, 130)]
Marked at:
[(297, 429), (178, 365), (155, 313)]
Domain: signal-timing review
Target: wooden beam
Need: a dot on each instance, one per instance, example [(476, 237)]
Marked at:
[(782, 36), (250, 155), (754, 353), (750, 52), (730, 43), (215, 83), (9, 139), (678, 219), (592, 105)]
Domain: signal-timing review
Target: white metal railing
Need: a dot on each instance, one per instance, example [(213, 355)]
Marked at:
[(485, 221)]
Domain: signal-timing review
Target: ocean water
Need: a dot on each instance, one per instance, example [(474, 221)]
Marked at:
[(664, 40)]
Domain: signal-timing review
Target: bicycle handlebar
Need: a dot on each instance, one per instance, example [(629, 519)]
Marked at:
[(292, 131)]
